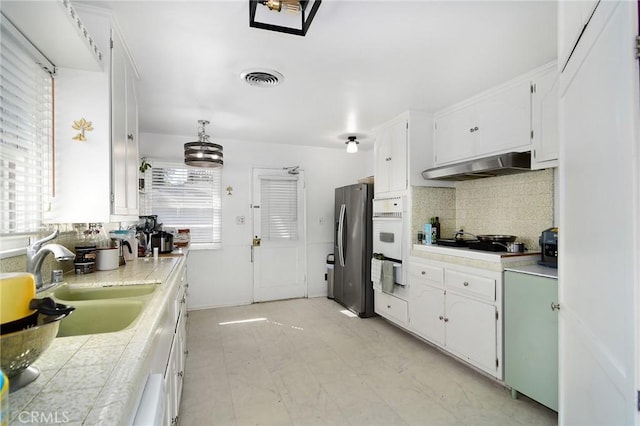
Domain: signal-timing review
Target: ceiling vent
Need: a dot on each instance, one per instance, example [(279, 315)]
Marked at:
[(262, 77)]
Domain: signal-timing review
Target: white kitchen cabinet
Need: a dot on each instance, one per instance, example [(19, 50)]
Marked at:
[(544, 119), (573, 16), (492, 123), (403, 149), (390, 154), (96, 178), (390, 307), (124, 132), (457, 308)]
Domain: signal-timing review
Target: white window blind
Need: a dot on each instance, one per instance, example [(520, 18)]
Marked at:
[(26, 121), (278, 208), (187, 197)]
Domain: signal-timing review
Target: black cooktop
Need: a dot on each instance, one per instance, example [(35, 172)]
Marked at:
[(472, 244)]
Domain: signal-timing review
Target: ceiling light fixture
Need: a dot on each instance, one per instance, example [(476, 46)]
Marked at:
[(267, 17), (203, 153), (352, 145)]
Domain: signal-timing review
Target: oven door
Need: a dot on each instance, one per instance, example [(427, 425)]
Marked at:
[(387, 237)]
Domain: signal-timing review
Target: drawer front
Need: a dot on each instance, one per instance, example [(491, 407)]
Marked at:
[(475, 285), (433, 274), (390, 307)]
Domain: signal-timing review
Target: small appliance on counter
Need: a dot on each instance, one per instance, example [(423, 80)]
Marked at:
[(163, 241), (549, 248)]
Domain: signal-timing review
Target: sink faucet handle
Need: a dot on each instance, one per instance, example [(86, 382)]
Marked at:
[(38, 243)]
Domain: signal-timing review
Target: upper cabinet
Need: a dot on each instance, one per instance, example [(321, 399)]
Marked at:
[(544, 119), (573, 16), (124, 131), (510, 117), (403, 148), (96, 173)]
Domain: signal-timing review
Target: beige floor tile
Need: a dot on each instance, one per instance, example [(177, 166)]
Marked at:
[(308, 364)]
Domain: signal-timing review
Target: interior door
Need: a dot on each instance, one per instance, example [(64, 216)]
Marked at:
[(598, 278), (278, 249)]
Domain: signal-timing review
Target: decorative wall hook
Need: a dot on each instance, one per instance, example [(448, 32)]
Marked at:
[(82, 126)]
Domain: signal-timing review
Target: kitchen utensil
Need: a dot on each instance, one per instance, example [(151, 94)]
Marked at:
[(107, 259), (163, 241), (19, 349), (17, 290), (512, 247)]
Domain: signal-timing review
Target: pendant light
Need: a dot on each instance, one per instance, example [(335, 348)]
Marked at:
[(352, 145), (203, 153)]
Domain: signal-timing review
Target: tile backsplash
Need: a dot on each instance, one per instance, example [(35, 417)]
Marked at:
[(520, 204)]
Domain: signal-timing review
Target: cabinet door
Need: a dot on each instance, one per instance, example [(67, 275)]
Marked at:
[(426, 311), (544, 120), (455, 135), (382, 154), (531, 336), (118, 127), (132, 144), (471, 330), (398, 156), (504, 120)]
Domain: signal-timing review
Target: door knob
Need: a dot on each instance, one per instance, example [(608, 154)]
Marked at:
[(555, 306), (256, 242)]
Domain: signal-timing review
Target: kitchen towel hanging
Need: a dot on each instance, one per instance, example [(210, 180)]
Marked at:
[(387, 276)]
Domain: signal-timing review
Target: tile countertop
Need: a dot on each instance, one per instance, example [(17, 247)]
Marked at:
[(98, 379), (495, 261)]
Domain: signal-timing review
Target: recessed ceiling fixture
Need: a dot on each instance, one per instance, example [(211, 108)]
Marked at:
[(267, 15), (203, 153), (352, 144), (262, 77)]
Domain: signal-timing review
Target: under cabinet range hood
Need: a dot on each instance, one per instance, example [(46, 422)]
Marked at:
[(497, 165)]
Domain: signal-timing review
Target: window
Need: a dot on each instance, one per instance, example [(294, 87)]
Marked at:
[(187, 197), (26, 121), (279, 205)]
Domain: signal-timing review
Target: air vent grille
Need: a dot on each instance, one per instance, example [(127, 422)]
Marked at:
[(262, 78)]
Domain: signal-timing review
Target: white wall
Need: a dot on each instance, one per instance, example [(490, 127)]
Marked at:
[(225, 277)]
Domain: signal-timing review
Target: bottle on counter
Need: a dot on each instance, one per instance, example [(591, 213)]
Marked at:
[(435, 229), (427, 233)]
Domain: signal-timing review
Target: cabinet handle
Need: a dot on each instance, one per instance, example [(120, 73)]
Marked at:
[(555, 306), (388, 306), (130, 136), (446, 320), (387, 159), (441, 317), (475, 129), (471, 130), (423, 272), (466, 284)]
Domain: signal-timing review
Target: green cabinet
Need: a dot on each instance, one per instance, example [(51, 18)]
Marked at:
[(531, 336)]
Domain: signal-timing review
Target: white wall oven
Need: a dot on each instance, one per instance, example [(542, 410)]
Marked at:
[(388, 228)]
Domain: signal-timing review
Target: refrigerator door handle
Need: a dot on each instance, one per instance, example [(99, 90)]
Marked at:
[(343, 209)]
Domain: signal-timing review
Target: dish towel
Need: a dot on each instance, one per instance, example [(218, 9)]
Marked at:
[(376, 273), (387, 276)]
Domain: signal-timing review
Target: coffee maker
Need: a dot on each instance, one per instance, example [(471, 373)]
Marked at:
[(147, 225), (549, 247)]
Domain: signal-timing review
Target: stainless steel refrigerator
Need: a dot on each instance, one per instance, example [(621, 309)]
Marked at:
[(353, 247)]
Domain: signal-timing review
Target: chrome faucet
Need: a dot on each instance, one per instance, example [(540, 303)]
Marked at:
[(36, 254)]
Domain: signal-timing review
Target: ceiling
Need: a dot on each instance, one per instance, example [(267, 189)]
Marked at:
[(360, 64)]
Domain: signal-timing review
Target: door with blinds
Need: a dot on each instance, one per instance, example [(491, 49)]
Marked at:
[(278, 247)]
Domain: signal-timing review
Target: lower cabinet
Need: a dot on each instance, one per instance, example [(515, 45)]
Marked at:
[(457, 308), (531, 336), (391, 307), (170, 346)]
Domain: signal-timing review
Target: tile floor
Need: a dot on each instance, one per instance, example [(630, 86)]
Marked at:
[(306, 363)]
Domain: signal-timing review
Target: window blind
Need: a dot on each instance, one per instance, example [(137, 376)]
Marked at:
[(278, 208), (26, 121), (186, 197)]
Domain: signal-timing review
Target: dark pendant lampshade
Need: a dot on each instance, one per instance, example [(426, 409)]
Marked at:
[(203, 153)]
